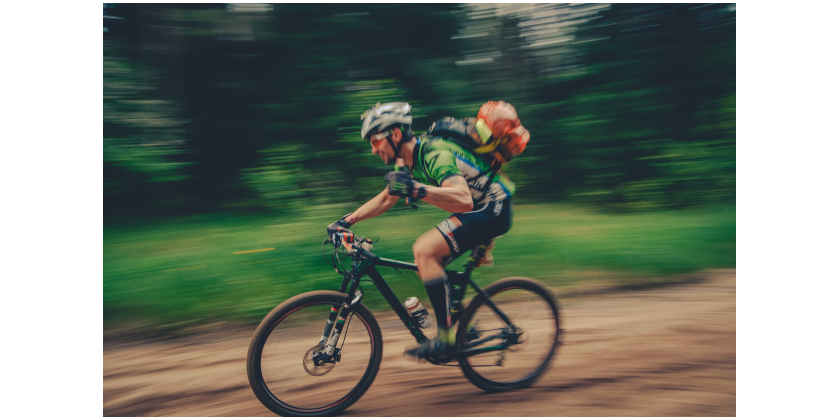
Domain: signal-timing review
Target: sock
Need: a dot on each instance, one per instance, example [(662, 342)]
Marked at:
[(438, 291), (447, 335)]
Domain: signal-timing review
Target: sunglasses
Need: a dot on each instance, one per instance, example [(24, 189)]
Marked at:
[(377, 137)]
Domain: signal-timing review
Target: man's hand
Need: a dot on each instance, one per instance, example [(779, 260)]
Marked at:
[(400, 183), (340, 226)]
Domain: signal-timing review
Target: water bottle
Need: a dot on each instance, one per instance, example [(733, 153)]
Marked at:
[(420, 314)]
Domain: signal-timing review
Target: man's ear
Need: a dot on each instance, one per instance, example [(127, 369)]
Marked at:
[(396, 135)]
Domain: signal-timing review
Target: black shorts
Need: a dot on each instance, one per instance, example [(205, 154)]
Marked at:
[(465, 231)]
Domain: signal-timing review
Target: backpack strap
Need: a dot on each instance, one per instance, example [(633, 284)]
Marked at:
[(492, 170)]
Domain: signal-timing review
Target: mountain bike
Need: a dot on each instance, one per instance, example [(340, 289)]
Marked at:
[(318, 352)]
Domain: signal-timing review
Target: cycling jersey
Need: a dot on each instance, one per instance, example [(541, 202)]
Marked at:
[(436, 159)]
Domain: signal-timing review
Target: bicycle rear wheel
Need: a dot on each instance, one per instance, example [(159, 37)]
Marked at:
[(500, 357), (282, 367)]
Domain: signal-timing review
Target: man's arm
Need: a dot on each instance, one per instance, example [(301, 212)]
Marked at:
[(453, 195), (374, 207)]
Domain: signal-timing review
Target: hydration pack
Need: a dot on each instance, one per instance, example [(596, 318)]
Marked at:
[(462, 131)]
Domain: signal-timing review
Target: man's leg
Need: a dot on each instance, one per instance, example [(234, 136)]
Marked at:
[(430, 250)]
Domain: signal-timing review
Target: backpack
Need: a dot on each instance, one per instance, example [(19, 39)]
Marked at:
[(462, 131)]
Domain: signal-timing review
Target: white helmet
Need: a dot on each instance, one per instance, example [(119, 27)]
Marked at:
[(383, 116)]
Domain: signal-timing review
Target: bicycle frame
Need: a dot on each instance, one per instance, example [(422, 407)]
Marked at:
[(366, 265)]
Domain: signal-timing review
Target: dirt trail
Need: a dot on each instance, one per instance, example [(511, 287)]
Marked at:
[(659, 352)]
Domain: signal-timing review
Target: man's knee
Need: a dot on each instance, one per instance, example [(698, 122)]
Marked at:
[(424, 253), (419, 249), (430, 245), (430, 250)]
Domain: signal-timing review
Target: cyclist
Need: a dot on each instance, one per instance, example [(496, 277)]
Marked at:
[(446, 175)]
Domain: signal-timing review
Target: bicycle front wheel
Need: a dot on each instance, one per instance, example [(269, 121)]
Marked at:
[(501, 356), (289, 370)]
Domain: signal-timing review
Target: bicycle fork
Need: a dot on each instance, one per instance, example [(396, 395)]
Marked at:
[(338, 317)]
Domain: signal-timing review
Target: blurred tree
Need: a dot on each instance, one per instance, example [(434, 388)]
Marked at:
[(214, 106), (629, 124), (144, 139)]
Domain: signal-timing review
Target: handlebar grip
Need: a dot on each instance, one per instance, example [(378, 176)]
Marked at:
[(339, 237)]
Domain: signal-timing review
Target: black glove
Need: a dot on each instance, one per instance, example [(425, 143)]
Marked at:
[(340, 226), (400, 183)]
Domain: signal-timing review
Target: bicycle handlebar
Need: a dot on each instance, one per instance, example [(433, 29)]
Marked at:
[(356, 244)]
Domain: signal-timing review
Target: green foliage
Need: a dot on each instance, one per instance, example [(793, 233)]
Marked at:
[(208, 107), (143, 135), (646, 123), (277, 177)]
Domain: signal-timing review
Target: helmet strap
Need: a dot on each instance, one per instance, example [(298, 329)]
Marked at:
[(391, 142), (398, 146)]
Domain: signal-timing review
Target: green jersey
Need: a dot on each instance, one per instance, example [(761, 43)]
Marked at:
[(436, 159)]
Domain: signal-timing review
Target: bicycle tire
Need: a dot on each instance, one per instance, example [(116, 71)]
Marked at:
[(276, 354), (523, 307)]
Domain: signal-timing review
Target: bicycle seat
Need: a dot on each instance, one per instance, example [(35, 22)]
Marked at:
[(482, 253)]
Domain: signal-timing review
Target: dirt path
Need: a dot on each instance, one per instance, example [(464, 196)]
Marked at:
[(661, 352)]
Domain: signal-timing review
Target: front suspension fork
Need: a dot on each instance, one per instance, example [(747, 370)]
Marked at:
[(339, 313)]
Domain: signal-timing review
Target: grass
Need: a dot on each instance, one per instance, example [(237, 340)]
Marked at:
[(210, 269)]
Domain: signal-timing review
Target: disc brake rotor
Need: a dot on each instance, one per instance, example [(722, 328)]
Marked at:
[(313, 361)]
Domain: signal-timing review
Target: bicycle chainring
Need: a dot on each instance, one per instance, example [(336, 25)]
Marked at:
[(440, 359)]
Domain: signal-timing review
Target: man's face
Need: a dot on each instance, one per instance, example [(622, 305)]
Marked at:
[(379, 146)]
